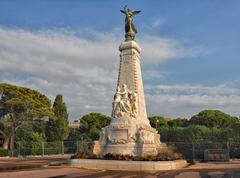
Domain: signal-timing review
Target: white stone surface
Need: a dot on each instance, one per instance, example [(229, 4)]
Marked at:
[(128, 165), (130, 74), (130, 132)]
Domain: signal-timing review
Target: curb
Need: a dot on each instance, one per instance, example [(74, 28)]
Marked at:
[(19, 167)]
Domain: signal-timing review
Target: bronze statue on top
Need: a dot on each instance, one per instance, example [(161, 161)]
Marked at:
[(130, 29)]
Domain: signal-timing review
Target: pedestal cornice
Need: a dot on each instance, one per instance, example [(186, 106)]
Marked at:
[(129, 45)]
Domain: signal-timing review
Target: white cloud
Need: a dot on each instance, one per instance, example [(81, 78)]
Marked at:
[(188, 89), (154, 25), (158, 22), (154, 74), (158, 50), (84, 70), (186, 100)]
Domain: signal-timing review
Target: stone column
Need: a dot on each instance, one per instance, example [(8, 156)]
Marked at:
[(129, 132), (130, 74)]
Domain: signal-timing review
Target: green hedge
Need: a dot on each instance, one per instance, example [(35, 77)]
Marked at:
[(4, 152)]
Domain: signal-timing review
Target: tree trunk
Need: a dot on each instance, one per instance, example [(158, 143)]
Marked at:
[(12, 143), (12, 139), (6, 143)]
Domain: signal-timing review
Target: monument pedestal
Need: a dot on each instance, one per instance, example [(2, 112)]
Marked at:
[(130, 132)]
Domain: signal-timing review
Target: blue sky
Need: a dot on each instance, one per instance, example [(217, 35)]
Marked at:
[(190, 52)]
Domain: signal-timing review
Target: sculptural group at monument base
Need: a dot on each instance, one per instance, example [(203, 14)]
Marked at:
[(130, 140), (125, 102)]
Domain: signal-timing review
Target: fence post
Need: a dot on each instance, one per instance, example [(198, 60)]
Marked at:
[(77, 147), (42, 149), (193, 151), (228, 150), (62, 147), (82, 140), (19, 148)]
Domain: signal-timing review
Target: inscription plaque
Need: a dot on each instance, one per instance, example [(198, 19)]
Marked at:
[(119, 134)]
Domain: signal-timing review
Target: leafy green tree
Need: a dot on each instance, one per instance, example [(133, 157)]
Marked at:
[(185, 134), (158, 121), (179, 122), (196, 132), (172, 134), (213, 118), (57, 129), (20, 105), (74, 134), (91, 125), (39, 126), (28, 140), (27, 134)]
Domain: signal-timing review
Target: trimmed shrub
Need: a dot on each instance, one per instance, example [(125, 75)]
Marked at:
[(118, 157), (4, 152), (85, 151), (168, 154)]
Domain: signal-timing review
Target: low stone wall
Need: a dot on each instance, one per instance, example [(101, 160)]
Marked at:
[(128, 165)]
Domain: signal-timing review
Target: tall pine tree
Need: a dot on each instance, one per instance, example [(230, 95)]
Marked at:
[(20, 105), (57, 129)]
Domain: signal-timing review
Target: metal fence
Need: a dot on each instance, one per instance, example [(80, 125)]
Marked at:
[(190, 150), (46, 148), (195, 150)]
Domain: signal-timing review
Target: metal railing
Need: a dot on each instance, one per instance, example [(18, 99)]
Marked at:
[(190, 150)]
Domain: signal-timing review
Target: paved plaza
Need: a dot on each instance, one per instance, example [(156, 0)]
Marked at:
[(46, 168)]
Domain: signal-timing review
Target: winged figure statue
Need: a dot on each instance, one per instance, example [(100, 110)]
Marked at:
[(130, 29)]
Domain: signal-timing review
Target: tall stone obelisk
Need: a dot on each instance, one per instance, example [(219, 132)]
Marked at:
[(129, 132), (130, 75)]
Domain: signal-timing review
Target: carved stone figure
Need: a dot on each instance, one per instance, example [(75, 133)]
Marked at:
[(116, 110), (124, 102), (130, 29), (126, 94), (134, 105), (97, 148)]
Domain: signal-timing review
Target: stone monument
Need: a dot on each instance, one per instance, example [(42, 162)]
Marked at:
[(129, 132)]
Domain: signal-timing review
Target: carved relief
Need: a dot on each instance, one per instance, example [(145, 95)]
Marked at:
[(125, 102), (118, 136), (146, 136), (103, 136)]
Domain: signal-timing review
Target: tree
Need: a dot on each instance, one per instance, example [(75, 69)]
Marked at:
[(179, 122), (26, 134), (196, 132), (20, 105), (158, 121), (57, 129), (213, 118), (172, 134), (91, 125)]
